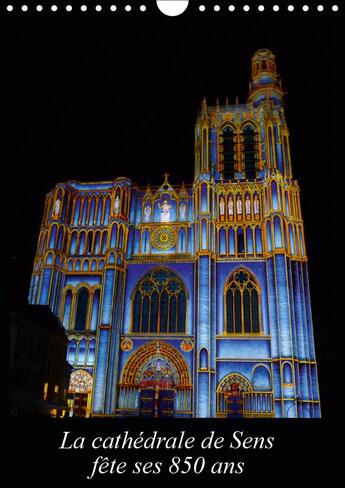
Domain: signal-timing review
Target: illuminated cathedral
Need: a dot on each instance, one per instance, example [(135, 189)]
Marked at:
[(189, 300)]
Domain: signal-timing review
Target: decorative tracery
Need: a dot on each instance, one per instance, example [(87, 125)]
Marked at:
[(242, 304), (234, 379), (81, 382), (159, 303)]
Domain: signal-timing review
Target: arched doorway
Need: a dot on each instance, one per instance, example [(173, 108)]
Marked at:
[(80, 388), (230, 395), (155, 382)]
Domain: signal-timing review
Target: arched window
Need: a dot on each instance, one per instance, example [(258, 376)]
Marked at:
[(159, 304), (278, 242), (84, 213), (287, 373), (242, 304), (72, 347), (89, 242), (82, 306), (275, 201), (250, 151), (67, 309), (249, 240), (73, 243), (95, 307), (81, 243), (104, 241), (60, 238), (91, 352), (269, 236), (113, 236), (228, 153), (240, 241), (97, 242), (99, 210), (92, 211), (258, 240), (203, 358), (107, 211), (76, 212), (52, 237), (81, 351)]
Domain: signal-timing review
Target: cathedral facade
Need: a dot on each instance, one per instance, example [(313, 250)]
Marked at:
[(189, 300)]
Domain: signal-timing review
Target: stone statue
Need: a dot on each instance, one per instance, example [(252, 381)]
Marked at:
[(239, 205), (147, 212), (117, 204), (57, 206), (221, 205), (247, 204), (183, 208), (256, 205), (165, 211), (231, 206)]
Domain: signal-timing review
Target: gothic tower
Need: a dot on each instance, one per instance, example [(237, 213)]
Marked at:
[(189, 300)]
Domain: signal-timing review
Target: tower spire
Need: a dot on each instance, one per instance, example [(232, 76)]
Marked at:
[(204, 105)]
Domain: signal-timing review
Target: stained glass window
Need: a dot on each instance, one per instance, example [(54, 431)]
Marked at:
[(242, 310), (81, 382), (228, 153), (250, 152), (82, 306), (159, 304)]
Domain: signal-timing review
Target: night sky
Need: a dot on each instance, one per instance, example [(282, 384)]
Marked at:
[(95, 97)]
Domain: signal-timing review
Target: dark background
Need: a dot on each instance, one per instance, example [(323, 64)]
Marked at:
[(95, 96)]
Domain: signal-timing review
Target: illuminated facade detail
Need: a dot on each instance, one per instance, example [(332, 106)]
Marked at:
[(242, 305), (190, 300), (163, 238), (159, 304), (81, 388)]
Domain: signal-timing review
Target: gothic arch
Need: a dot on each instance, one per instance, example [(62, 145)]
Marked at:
[(228, 124), (226, 382), (156, 268), (159, 303), (262, 378), (242, 303), (129, 376), (250, 122), (252, 275)]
